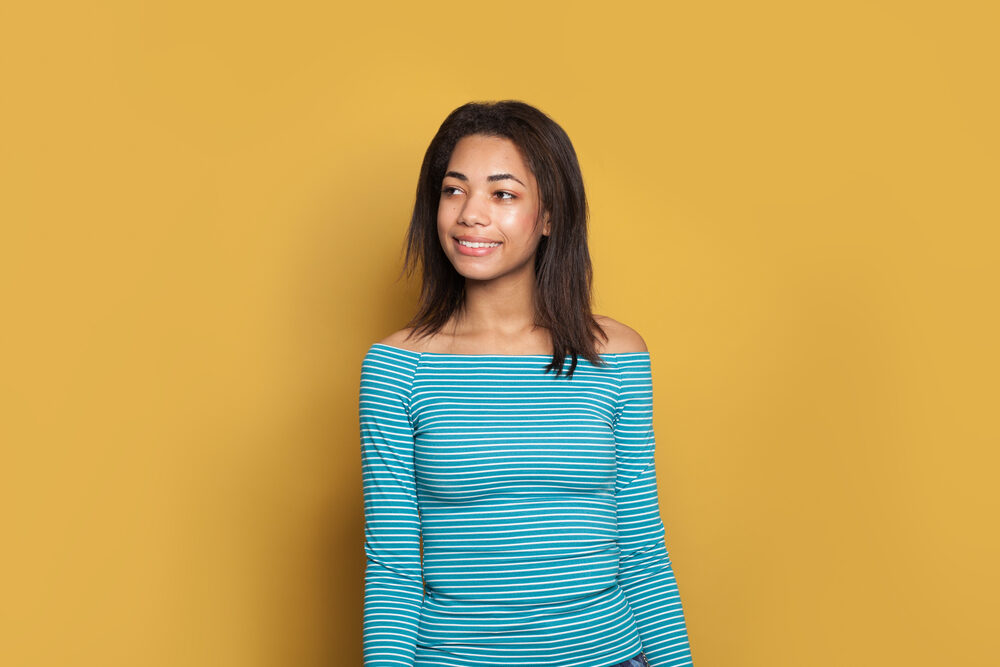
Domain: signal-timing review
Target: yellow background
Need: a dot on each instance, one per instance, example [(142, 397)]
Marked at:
[(796, 204)]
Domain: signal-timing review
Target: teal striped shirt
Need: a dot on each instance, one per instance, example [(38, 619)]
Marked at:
[(533, 501)]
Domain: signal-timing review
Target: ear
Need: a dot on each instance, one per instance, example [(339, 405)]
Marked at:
[(546, 227)]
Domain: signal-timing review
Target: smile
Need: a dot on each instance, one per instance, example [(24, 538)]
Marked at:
[(477, 244), (476, 248)]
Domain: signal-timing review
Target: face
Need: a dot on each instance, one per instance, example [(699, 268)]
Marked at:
[(489, 217)]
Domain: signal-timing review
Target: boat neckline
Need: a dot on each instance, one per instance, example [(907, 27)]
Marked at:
[(497, 356)]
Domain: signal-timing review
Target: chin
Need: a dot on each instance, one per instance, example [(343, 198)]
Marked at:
[(477, 275), (473, 269)]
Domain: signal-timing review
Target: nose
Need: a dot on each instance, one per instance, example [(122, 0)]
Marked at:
[(474, 213)]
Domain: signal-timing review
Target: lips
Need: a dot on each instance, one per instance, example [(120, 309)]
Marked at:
[(477, 239), (478, 247)]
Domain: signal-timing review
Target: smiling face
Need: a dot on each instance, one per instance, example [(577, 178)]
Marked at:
[(489, 217)]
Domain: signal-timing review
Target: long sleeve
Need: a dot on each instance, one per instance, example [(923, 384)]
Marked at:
[(394, 588), (645, 573)]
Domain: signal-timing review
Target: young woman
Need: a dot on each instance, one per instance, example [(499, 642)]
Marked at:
[(507, 432)]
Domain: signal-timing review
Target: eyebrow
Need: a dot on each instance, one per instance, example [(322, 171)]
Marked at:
[(494, 177)]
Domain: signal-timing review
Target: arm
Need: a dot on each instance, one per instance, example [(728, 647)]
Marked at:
[(394, 588), (645, 573)]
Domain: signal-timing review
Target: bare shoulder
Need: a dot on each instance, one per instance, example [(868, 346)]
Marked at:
[(621, 338), (406, 340)]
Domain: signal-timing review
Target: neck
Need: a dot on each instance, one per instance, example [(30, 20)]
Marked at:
[(504, 307)]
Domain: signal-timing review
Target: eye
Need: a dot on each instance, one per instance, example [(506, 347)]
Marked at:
[(449, 190), (505, 195)]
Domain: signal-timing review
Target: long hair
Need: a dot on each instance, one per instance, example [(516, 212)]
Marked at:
[(563, 272)]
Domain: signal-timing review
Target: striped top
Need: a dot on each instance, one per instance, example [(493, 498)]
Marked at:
[(535, 498)]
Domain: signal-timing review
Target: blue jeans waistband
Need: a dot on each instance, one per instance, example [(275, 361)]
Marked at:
[(637, 661)]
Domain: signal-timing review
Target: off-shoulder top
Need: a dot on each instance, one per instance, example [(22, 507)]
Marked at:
[(511, 516)]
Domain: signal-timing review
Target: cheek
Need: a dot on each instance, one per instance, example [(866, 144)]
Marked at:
[(442, 220), (520, 228), (446, 214)]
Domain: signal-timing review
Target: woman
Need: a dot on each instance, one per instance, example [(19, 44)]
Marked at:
[(507, 432)]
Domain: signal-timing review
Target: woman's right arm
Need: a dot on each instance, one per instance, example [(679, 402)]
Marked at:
[(394, 588)]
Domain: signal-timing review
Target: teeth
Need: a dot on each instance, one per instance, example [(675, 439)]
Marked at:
[(477, 244)]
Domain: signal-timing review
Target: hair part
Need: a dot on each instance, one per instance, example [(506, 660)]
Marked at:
[(563, 271)]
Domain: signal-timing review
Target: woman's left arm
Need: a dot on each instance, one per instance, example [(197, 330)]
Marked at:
[(645, 573)]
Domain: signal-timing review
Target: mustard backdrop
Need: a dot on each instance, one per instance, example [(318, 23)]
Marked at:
[(203, 206)]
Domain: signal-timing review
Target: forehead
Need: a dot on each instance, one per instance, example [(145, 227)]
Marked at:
[(482, 155)]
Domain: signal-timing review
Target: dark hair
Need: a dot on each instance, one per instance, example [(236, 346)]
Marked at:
[(563, 272)]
